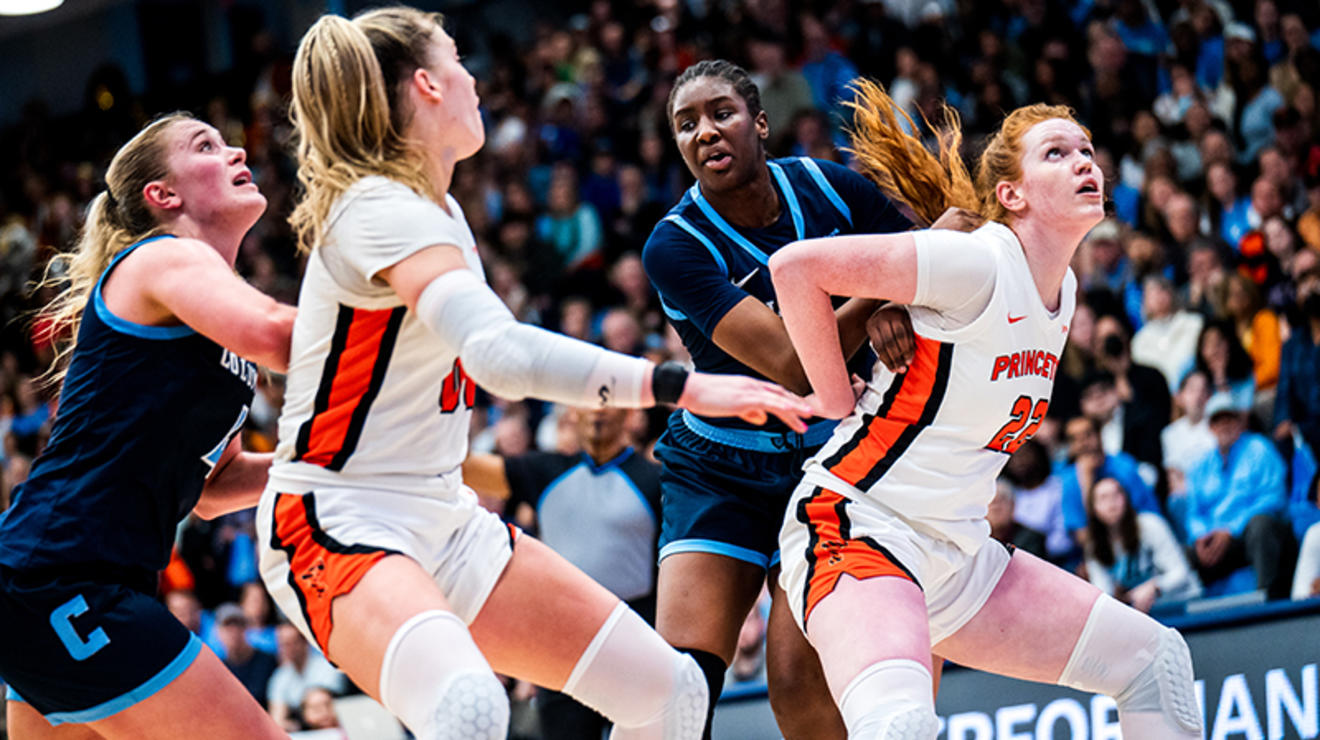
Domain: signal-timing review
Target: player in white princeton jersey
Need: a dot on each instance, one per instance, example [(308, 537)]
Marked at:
[(370, 542), (356, 346), (886, 554)]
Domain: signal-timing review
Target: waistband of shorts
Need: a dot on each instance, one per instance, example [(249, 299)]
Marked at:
[(758, 441), (300, 477)]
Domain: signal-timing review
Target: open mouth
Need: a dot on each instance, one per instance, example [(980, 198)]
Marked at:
[(244, 178), (719, 160), (1089, 186)]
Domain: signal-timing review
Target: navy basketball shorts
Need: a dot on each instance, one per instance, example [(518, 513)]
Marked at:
[(724, 499), (80, 650)]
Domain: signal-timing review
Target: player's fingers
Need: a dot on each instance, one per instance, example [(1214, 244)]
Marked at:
[(753, 416)]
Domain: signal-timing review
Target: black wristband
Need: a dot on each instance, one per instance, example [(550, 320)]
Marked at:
[(667, 381)]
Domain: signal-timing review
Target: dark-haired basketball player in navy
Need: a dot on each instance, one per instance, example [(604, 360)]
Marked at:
[(157, 387), (725, 483)]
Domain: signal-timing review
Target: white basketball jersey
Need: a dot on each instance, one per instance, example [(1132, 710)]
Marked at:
[(372, 394), (928, 443)]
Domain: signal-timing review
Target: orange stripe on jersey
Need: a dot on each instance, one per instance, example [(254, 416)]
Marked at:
[(831, 550), (320, 567), (350, 380), (909, 406)]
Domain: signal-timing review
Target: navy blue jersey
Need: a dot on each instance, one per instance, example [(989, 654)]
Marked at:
[(144, 416), (702, 266)]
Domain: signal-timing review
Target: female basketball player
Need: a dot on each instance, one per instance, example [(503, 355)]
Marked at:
[(372, 545), (157, 388), (725, 484), (886, 550)]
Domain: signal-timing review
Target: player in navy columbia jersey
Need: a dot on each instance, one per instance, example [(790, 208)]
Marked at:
[(156, 391), (725, 484)]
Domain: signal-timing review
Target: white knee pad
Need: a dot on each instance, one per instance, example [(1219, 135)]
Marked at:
[(646, 688), (436, 680), (890, 700), (1145, 666)]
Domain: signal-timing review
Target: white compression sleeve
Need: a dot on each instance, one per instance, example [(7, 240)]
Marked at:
[(435, 679), (1143, 665), (632, 676), (515, 360)]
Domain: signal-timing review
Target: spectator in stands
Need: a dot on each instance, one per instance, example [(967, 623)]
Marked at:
[(1006, 528), (1227, 209), (1220, 356), (1206, 278), (1142, 392), (318, 709), (1133, 555), (186, 608), (1089, 463), (299, 668), (1234, 498), (1188, 438), (1167, 339), (252, 667), (1297, 403), (1257, 329), (1038, 498)]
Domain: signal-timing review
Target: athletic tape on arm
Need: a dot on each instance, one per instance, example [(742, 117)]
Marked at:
[(516, 360)]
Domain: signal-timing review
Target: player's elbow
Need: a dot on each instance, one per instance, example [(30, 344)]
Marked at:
[(786, 263), (272, 337)]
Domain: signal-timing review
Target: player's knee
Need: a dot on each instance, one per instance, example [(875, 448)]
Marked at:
[(1145, 666), (1165, 683), (681, 710), (897, 721), (890, 700), (473, 706)]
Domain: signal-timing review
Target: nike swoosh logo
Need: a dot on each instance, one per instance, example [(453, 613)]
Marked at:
[(1014, 319), (745, 278)]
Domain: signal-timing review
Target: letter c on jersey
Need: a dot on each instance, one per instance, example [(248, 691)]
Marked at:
[(62, 620)]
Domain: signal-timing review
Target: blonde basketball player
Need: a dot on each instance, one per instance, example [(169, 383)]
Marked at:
[(371, 543), (886, 552)]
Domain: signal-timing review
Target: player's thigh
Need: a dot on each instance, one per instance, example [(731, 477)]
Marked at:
[(25, 723), (703, 598), (799, 696), (206, 700), (1028, 626), (365, 619), (541, 615), (863, 622)]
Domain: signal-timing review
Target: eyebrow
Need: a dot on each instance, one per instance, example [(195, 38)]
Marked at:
[(711, 101)]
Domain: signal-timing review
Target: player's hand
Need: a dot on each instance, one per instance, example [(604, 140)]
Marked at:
[(958, 219), (890, 331), (747, 398), (1143, 597)]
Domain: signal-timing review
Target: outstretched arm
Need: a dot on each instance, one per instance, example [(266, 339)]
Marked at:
[(516, 360), (806, 274)]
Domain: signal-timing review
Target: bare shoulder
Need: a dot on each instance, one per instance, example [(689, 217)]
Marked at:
[(177, 252)]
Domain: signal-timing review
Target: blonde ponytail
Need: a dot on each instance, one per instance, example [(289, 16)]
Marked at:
[(347, 111), (113, 223)]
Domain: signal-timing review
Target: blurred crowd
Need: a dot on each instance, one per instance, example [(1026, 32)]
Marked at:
[(1176, 461)]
